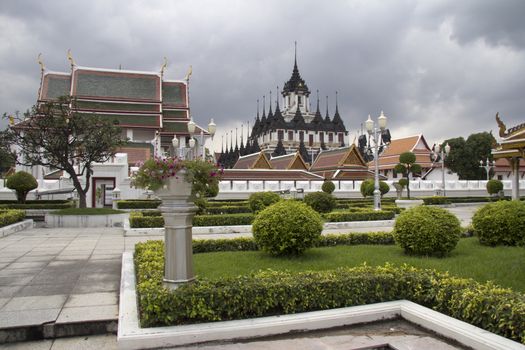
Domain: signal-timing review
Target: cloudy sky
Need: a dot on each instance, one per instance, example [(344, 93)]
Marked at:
[(441, 68)]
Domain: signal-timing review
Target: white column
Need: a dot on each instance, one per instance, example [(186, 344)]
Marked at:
[(515, 178)]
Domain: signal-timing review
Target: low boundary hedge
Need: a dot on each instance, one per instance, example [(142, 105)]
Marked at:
[(339, 216), (268, 292), (138, 204), (10, 216), (37, 204), (228, 209), (152, 219)]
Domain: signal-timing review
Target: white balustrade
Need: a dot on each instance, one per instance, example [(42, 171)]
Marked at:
[(255, 186), (346, 185), (271, 185), (305, 185), (316, 185), (286, 185), (240, 186)]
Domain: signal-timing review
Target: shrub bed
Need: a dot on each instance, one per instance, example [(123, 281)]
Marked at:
[(232, 202), (260, 200), (38, 204), (368, 215), (228, 209), (223, 220), (268, 292), (138, 204), (8, 217), (436, 200), (500, 223), (145, 219)]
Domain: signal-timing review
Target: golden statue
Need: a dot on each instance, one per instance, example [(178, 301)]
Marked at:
[(70, 58), (502, 126), (190, 71), (40, 62), (164, 65)]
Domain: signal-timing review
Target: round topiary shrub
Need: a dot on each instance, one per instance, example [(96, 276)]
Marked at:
[(287, 228), (328, 187), (500, 223), (260, 200), (427, 231), (494, 186), (368, 186), (22, 183), (321, 202)]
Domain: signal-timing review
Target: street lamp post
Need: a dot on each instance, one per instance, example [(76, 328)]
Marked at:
[(191, 142), (373, 131), (488, 165), (442, 153), (212, 127)]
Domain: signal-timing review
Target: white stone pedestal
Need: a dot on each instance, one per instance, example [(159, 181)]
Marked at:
[(178, 210)]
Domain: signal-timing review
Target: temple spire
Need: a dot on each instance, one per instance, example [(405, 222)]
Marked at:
[(264, 106), (327, 116), (295, 55), (318, 111), (257, 108), (336, 105), (270, 112)]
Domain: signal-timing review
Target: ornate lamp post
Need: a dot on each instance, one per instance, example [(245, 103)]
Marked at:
[(440, 154), (191, 142), (212, 127), (373, 131), (488, 165)]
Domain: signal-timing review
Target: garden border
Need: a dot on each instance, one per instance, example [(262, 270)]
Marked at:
[(16, 227), (131, 336)]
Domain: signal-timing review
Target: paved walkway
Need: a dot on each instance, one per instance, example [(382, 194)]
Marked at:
[(57, 282)]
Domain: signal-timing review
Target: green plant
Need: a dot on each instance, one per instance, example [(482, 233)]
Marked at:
[(403, 182), (328, 186), (223, 220), (58, 204), (8, 217), (427, 230), (139, 219), (365, 215), (501, 222), (87, 211), (368, 186), (268, 292), (138, 204), (260, 200), (436, 200), (287, 228), (203, 175), (321, 202), (494, 186), (22, 182), (407, 165)]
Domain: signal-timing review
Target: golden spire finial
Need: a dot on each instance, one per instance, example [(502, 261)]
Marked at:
[(164, 65), (40, 62), (11, 120), (70, 58), (190, 71)]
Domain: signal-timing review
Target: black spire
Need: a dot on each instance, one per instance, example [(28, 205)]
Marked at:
[(302, 151), (278, 121), (296, 83), (317, 122), (242, 150), (327, 124), (263, 119), (269, 118), (279, 150), (298, 122), (256, 125), (337, 121)]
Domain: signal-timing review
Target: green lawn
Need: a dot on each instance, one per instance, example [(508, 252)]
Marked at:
[(503, 265)]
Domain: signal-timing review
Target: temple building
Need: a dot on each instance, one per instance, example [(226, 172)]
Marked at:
[(149, 109), (295, 127)]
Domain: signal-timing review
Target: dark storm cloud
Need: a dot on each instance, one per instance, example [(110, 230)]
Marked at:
[(440, 68)]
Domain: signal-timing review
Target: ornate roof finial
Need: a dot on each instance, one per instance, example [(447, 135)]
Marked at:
[(257, 108), (188, 75), (40, 62), (318, 101), (327, 117), (336, 107), (295, 53), (270, 112), (277, 99), (163, 67), (70, 58), (264, 106)]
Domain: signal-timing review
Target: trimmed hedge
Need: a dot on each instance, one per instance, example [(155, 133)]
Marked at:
[(138, 204), (145, 219), (341, 216), (228, 209), (436, 200), (260, 200), (233, 202), (223, 220), (321, 202), (268, 292), (62, 204), (8, 217), (500, 223), (87, 211)]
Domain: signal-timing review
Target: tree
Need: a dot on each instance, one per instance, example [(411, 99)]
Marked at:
[(407, 165), (465, 155), (22, 183), (368, 187), (56, 135), (7, 157)]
